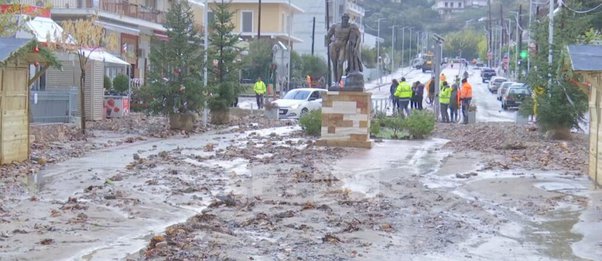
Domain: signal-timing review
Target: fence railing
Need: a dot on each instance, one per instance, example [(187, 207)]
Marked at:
[(382, 105), (54, 106)]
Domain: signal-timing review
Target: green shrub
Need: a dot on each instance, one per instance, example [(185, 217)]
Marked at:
[(395, 123), (121, 83), (419, 124), (311, 122), (107, 84), (374, 127)]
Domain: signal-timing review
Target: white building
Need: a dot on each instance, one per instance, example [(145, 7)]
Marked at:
[(303, 24)]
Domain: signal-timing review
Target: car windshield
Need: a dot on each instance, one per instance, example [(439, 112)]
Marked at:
[(519, 91), (500, 80), (297, 95)]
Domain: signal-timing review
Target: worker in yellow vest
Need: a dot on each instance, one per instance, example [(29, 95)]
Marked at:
[(403, 94), (260, 90), (444, 99)]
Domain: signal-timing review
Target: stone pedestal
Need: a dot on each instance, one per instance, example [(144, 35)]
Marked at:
[(346, 119)]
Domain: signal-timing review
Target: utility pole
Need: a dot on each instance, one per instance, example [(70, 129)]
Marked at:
[(259, 21), (520, 39), (205, 42), (393, 48), (490, 45), (530, 35), (313, 35), (410, 48), (329, 76), (378, 59), (290, 47), (550, 44)]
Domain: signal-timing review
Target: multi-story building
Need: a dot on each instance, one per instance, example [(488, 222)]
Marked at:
[(276, 21), (134, 22), (450, 6), (303, 26)]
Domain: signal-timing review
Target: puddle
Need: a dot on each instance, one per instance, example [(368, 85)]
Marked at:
[(553, 238)]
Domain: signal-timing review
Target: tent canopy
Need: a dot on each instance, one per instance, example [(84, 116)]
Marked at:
[(103, 56), (9, 46)]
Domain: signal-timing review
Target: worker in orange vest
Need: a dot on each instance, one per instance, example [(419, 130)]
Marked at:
[(466, 98)]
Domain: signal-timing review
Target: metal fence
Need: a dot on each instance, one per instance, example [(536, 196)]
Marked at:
[(54, 106), (382, 105)]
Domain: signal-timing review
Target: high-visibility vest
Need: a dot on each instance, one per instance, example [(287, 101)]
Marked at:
[(259, 87), (445, 95), (403, 91)]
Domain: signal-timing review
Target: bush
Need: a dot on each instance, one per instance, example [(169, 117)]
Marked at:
[(311, 123), (420, 124), (121, 83), (374, 127), (107, 84), (394, 123)]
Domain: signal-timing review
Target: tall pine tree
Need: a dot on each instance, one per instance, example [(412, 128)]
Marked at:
[(176, 65), (223, 52), (563, 103)]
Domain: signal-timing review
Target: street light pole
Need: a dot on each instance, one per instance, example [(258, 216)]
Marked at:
[(205, 42), (410, 48), (378, 60)]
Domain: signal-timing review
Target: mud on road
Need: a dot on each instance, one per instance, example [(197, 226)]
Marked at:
[(247, 193)]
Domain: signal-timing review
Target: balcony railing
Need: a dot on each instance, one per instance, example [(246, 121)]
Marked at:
[(355, 8), (118, 7)]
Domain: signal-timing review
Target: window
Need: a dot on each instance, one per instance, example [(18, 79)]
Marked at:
[(246, 21), (460, 4), (446, 4), (210, 18), (150, 4), (451, 4)]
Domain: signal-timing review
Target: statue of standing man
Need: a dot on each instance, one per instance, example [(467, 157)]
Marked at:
[(343, 41)]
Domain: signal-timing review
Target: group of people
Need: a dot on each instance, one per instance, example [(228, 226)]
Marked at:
[(454, 98), (405, 95), (451, 98)]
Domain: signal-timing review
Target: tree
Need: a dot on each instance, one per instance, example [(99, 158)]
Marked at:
[(464, 43), (223, 80), (562, 104), (176, 67), (83, 37), (314, 66), (257, 62)]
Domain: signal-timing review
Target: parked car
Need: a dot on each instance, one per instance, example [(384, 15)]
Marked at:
[(487, 74), (515, 95), (297, 102), (502, 89), (495, 83)]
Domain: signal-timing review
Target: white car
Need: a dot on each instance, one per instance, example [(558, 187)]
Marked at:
[(297, 102)]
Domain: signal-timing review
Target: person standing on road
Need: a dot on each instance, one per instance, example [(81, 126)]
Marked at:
[(413, 103), (392, 89), (404, 94), (419, 94), (430, 85), (466, 98), (260, 90), (454, 102), (444, 97)]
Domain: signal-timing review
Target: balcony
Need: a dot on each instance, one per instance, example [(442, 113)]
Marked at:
[(352, 7), (121, 8)]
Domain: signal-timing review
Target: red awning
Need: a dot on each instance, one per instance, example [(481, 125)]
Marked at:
[(160, 35)]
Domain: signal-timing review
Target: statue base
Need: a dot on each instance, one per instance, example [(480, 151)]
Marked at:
[(354, 82), (346, 119)]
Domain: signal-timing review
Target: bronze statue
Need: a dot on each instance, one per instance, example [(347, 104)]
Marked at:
[(343, 41)]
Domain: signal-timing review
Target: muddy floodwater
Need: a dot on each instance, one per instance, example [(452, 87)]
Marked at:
[(272, 195)]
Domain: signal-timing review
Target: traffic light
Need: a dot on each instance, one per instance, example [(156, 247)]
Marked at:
[(523, 54)]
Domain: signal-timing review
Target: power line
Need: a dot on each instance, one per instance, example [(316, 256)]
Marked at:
[(579, 11)]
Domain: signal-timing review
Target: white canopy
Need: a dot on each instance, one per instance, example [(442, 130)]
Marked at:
[(103, 56), (43, 29)]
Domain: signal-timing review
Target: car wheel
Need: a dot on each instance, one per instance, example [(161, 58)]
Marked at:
[(303, 112)]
